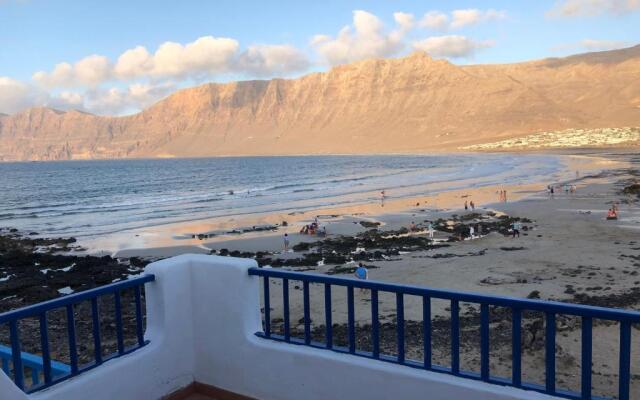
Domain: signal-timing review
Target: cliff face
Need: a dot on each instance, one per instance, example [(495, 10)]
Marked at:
[(411, 104)]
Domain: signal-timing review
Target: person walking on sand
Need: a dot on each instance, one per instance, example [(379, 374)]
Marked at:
[(516, 229), (466, 205), (362, 273), (286, 242)]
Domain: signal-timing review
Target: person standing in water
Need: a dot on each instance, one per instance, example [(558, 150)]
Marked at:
[(286, 242)]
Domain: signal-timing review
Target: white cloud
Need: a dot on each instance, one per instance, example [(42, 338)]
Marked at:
[(590, 45), (404, 20), (89, 71), (451, 46), (472, 16), (435, 20), (114, 101), (266, 60), (578, 8), (599, 45), (133, 63), (205, 56), (367, 38), (16, 96), (439, 21)]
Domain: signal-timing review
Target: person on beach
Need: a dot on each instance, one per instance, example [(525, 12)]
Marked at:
[(471, 232), (382, 197), (504, 196), (466, 205), (286, 242), (516, 229), (362, 273), (473, 205), (430, 230), (413, 226)]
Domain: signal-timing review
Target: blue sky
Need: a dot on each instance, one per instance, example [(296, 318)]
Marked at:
[(68, 54)]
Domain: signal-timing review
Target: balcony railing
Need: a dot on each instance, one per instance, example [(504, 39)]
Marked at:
[(44, 371), (516, 306)]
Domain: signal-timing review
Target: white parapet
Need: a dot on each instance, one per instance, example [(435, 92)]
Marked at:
[(203, 312)]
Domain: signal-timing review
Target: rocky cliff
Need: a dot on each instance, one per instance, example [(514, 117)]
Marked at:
[(412, 104)]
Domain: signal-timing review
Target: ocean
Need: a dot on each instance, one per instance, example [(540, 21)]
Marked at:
[(95, 198)]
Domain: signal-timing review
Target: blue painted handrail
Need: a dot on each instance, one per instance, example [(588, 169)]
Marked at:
[(33, 362), (517, 306), (53, 371)]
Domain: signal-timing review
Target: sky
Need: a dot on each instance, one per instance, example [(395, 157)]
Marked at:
[(118, 57)]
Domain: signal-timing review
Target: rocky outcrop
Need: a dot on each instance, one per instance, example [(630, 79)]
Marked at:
[(412, 104)]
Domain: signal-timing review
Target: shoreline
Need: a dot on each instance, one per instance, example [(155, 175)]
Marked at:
[(159, 240)]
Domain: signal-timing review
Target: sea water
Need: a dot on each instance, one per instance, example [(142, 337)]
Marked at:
[(94, 198)]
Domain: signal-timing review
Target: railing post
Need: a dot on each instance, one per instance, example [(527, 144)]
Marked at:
[(328, 316), (550, 353), (267, 307), (307, 313), (455, 337), (426, 331), (139, 329), (625, 360), (351, 320), (44, 344), (285, 309), (516, 347), (375, 325), (587, 323), (484, 341), (119, 332), (18, 373), (97, 343), (71, 331), (400, 326)]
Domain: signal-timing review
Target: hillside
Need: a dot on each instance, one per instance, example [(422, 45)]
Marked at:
[(411, 104)]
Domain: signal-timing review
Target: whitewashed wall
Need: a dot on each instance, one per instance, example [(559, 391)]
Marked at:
[(203, 312)]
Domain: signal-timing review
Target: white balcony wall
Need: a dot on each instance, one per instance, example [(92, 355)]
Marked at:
[(203, 312)]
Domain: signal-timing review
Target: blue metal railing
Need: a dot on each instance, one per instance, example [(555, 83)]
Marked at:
[(517, 306), (32, 362), (51, 371)]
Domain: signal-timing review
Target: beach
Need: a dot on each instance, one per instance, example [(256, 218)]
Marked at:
[(566, 251)]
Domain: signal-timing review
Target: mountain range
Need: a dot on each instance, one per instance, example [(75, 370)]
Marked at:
[(413, 104)]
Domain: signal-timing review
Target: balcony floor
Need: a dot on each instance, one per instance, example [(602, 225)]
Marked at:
[(199, 391), (198, 396)]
